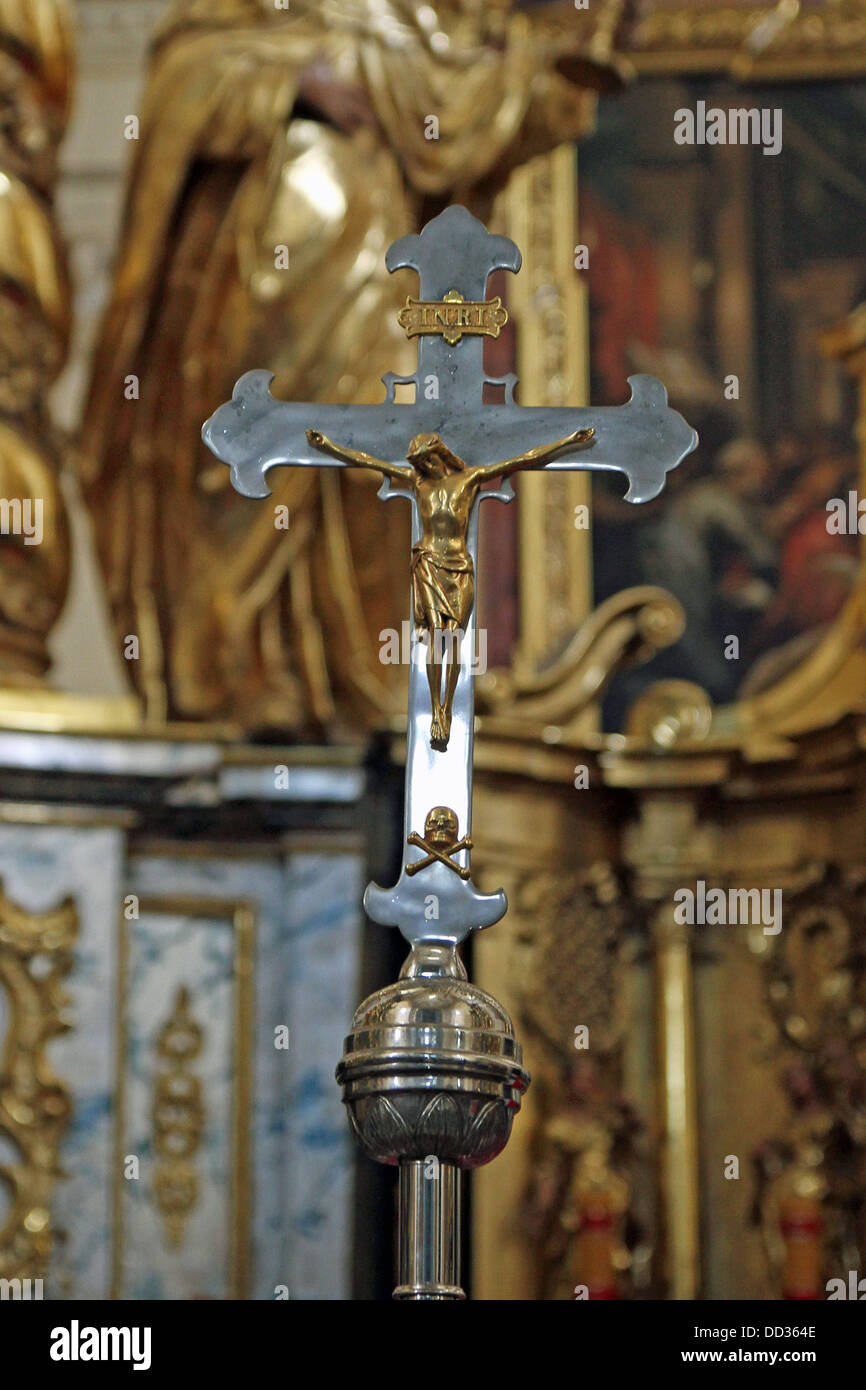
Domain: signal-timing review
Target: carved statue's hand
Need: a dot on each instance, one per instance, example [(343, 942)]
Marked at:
[(581, 71), (345, 104)]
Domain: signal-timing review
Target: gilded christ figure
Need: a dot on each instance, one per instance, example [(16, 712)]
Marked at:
[(443, 578)]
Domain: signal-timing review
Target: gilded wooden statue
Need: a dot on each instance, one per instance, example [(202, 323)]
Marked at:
[(280, 152), (35, 88)]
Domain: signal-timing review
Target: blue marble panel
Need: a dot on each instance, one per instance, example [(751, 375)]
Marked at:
[(323, 895), (167, 951), (306, 980)]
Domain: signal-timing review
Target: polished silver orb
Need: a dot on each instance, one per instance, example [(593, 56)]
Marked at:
[(432, 1067)]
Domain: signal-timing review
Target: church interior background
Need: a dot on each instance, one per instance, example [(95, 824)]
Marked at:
[(200, 745)]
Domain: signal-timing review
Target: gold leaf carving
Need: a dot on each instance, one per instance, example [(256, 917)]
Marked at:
[(178, 1118), (35, 1107)]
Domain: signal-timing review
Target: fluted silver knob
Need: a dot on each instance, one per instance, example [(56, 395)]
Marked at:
[(432, 1077), (432, 1066)]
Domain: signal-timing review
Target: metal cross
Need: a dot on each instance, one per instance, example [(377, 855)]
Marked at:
[(453, 443)]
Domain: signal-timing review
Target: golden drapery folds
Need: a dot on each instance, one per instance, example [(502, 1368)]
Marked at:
[(35, 74), (280, 153)]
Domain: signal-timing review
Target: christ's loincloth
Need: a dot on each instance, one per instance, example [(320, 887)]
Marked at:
[(442, 589)]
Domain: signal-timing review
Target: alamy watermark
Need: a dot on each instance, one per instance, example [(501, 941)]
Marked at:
[(854, 1289), (77, 1343), (846, 516), (737, 126), (395, 648), (21, 1290), (22, 516), (711, 907)]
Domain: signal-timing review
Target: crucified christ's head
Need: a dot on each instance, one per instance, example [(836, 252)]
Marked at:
[(429, 455)]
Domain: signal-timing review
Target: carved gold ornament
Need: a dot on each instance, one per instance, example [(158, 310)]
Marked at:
[(35, 1107), (779, 39)]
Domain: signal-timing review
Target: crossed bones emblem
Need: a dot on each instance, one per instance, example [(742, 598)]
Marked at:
[(440, 841)]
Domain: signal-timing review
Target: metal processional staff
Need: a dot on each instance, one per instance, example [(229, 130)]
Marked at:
[(432, 1074)]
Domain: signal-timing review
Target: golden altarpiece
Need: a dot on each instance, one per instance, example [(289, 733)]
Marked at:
[(703, 1046)]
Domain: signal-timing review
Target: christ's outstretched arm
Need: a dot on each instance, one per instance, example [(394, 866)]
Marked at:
[(357, 459), (533, 458)]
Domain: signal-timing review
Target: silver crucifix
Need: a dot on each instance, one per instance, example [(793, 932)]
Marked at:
[(439, 451)]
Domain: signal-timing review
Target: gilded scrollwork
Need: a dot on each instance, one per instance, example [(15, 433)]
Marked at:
[(816, 993), (671, 713), (35, 1105), (769, 39), (568, 970), (627, 629)]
